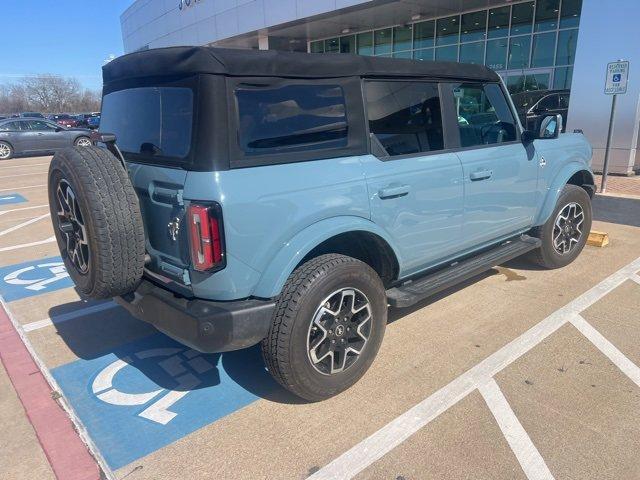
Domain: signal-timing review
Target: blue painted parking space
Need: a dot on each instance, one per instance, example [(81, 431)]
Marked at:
[(149, 393), (9, 198), (33, 278)]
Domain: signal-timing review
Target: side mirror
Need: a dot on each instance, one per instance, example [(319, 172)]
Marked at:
[(550, 127), (58, 129)]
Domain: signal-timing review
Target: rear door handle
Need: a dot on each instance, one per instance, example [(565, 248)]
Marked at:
[(393, 191), (481, 175)]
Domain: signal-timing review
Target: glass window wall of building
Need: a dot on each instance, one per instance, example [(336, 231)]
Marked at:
[(531, 44)]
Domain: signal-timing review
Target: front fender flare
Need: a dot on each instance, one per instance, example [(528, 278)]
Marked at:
[(553, 192), (275, 275)]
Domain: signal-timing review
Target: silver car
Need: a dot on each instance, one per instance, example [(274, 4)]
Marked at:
[(22, 136)]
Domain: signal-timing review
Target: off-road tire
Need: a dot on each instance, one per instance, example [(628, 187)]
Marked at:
[(285, 347), (546, 256), (111, 215)]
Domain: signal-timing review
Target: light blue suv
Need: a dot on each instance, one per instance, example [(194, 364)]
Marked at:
[(236, 197)]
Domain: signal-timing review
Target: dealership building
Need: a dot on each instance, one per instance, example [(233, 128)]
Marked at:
[(533, 45)]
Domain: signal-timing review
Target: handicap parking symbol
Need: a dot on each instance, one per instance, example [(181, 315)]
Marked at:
[(142, 396), (616, 78), (12, 198), (33, 278), (176, 362)]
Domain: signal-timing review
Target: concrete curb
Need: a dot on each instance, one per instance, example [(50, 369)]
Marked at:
[(67, 454)]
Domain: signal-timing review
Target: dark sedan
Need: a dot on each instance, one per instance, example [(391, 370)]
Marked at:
[(533, 106), (37, 136)]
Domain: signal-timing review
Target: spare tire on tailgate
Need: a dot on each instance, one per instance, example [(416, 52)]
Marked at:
[(97, 221)]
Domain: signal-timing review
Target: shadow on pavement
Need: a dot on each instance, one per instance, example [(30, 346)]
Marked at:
[(115, 331), (624, 211)]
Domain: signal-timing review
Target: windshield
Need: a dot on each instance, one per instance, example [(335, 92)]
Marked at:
[(150, 121)]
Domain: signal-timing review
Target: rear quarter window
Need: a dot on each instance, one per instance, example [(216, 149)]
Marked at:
[(150, 123), (291, 118)]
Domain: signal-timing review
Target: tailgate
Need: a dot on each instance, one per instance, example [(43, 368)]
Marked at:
[(160, 191)]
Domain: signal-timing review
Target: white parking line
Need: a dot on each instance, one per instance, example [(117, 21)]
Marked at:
[(30, 327), (21, 175), (26, 165), (30, 244), (636, 278), (23, 224), (22, 188), (397, 431), (523, 448), (618, 358), (2, 212)]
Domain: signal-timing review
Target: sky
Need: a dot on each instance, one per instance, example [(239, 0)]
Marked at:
[(62, 37)]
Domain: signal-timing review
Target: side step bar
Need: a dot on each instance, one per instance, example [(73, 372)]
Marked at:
[(419, 289)]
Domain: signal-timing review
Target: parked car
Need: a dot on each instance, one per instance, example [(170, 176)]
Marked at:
[(534, 106), (93, 122), (24, 136), (65, 120), (31, 115), (84, 119), (286, 198)]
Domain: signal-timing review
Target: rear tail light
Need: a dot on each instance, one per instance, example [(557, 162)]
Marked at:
[(205, 232)]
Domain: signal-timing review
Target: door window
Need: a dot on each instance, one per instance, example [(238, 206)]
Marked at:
[(563, 100), (550, 102), (484, 116), (405, 117), (39, 126), (10, 127)]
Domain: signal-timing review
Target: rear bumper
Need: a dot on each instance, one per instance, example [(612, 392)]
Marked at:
[(206, 326)]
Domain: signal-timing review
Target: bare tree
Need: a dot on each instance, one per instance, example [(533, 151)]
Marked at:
[(48, 94)]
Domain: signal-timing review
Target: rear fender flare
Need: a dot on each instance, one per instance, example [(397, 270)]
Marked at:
[(285, 261)]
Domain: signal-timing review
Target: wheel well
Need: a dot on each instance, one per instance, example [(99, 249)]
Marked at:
[(584, 179), (366, 247)]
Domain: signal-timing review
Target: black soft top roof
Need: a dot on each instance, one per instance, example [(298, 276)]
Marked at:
[(184, 61)]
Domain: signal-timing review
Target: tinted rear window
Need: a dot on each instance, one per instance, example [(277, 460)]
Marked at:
[(291, 118), (152, 122)]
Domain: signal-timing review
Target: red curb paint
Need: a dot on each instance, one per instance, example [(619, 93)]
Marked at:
[(65, 451)]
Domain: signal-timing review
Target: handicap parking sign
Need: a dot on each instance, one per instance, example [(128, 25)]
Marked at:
[(33, 278), (147, 394), (617, 78)]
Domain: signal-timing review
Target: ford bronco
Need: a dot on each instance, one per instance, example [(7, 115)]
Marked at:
[(236, 197)]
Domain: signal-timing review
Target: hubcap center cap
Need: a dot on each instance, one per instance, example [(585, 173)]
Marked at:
[(340, 330)]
